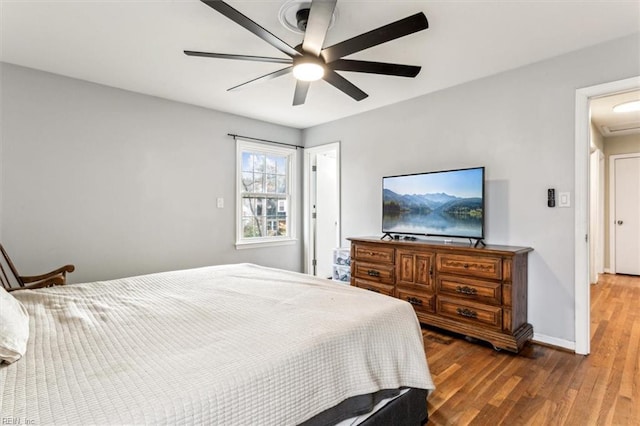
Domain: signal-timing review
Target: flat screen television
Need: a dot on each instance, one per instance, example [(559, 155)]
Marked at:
[(448, 203)]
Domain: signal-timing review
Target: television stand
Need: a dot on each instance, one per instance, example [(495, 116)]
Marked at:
[(479, 241), (479, 292)]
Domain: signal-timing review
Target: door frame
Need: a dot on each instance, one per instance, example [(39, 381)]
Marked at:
[(309, 193), (582, 144), (612, 206), (597, 223)]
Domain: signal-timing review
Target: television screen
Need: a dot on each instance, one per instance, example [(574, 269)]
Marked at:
[(445, 203)]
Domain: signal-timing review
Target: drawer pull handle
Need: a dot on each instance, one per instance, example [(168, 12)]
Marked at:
[(373, 273), (468, 313), (414, 301), (465, 266), (375, 290), (466, 290)]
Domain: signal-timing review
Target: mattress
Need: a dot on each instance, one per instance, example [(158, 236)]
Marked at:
[(230, 344)]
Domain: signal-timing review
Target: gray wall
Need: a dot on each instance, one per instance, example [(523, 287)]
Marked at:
[(520, 126), (119, 183)]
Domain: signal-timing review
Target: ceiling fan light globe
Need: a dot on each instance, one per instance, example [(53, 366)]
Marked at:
[(308, 71)]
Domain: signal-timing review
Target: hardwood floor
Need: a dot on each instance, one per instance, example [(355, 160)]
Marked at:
[(542, 385)]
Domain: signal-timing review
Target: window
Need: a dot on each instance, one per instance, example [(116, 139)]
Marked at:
[(265, 205)]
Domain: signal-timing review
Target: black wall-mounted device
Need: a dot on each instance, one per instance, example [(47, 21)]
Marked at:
[(551, 197)]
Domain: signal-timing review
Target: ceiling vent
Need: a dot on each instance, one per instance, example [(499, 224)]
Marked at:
[(621, 129)]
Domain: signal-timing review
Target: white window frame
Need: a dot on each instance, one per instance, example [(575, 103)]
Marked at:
[(291, 155)]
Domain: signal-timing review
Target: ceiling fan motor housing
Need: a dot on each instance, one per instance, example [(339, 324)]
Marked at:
[(302, 17)]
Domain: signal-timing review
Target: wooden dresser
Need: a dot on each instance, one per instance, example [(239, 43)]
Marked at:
[(478, 292)]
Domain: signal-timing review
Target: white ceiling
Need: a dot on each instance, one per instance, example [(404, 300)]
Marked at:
[(137, 46), (610, 123)]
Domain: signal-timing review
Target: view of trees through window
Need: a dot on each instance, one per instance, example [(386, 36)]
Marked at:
[(264, 195)]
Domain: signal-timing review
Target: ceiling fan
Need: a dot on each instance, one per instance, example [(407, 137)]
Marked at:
[(311, 61)]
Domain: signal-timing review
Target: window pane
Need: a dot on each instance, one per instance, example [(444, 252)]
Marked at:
[(248, 207), (259, 209), (258, 163), (252, 206), (258, 182), (271, 164), (252, 162), (282, 227), (281, 165), (250, 227), (272, 206), (247, 182), (272, 226), (282, 185), (247, 162), (271, 183), (282, 208)]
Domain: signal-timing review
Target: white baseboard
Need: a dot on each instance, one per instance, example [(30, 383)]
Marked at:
[(607, 271), (554, 341)]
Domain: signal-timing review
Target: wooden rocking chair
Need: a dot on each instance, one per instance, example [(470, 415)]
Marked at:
[(12, 281)]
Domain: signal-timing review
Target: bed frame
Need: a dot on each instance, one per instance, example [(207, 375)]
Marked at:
[(409, 409)]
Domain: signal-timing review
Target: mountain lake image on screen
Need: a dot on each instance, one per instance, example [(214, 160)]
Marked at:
[(446, 203)]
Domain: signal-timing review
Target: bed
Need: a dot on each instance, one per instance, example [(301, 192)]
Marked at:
[(230, 345)]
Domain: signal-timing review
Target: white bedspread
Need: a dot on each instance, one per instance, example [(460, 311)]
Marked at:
[(228, 345)]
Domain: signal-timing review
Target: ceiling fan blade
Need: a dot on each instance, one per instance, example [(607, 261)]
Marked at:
[(239, 57), (375, 67), (302, 87), (343, 84), (401, 28), (320, 16), (248, 24), (260, 79)]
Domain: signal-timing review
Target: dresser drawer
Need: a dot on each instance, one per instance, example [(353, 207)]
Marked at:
[(373, 272), (470, 289), (477, 266), (371, 253), (422, 302), (373, 286), (470, 312)]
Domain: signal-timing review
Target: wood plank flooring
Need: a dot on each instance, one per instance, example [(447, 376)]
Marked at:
[(543, 385)]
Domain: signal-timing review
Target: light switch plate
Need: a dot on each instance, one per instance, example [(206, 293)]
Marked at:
[(564, 199), (220, 202)]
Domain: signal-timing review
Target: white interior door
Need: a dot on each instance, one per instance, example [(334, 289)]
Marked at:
[(323, 208), (627, 215), (326, 212)]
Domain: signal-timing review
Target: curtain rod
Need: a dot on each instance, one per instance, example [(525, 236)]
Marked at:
[(263, 140)]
